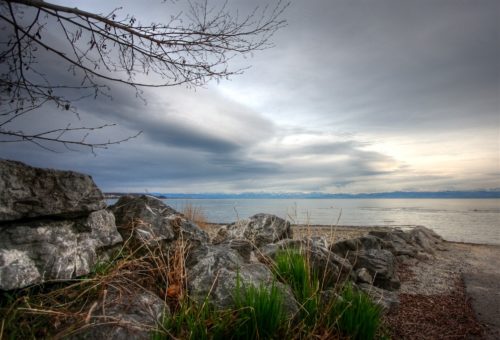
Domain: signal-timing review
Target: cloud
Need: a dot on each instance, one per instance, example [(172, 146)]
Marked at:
[(355, 97)]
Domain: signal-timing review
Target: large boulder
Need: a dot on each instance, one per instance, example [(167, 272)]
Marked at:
[(147, 219), (28, 192), (380, 264), (260, 229), (36, 251), (52, 225), (215, 272), (343, 248), (397, 242), (410, 244)]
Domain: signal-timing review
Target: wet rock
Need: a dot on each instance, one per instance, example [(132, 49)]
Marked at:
[(260, 229), (27, 192)]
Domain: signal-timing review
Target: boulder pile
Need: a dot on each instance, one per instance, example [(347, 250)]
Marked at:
[(54, 226)]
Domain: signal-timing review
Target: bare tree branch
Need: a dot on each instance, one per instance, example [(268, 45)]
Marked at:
[(100, 50)]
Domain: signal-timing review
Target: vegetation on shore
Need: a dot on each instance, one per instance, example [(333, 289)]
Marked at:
[(59, 309)]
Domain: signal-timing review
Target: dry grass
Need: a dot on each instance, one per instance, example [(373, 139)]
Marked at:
[(195, 214), (58, 309)]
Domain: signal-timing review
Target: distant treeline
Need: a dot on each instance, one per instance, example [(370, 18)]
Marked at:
[(299, 195)]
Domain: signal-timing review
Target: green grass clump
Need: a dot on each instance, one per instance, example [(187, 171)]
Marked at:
[(293, 268), (195, 321), (57, 309), (260, 312), (355, 314)]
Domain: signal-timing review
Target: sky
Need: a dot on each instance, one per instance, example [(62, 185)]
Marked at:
[(356, 96)]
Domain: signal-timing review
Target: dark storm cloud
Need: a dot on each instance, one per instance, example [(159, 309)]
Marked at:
[(392, 64), (379, 68)]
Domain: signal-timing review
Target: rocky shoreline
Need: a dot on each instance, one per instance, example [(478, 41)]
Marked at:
[(55, 227), (443, 295)]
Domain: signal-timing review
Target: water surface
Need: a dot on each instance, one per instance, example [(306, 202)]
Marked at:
[(461, 220)]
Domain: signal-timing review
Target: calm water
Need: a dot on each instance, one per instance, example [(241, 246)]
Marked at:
[(462, 220)]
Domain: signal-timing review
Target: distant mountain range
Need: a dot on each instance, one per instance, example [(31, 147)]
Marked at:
[(301, 195)]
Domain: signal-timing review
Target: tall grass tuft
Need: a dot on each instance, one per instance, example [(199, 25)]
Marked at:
[(293, 268), (196, 321), (260, 312), (355, 314)]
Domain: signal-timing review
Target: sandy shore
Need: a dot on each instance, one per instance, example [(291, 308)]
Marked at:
[(455, 293)]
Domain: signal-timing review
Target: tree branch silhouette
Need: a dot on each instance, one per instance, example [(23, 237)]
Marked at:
[(100, 50)]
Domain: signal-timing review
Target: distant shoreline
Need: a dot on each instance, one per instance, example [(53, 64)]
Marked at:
[(480, 194)]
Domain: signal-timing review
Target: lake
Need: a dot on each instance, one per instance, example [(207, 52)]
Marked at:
[(460, 220)]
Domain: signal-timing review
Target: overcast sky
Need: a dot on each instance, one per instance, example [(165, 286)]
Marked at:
[(356, 96)]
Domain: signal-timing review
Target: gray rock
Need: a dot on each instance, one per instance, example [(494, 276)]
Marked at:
[(380, 263), (389, 301), (397, 242), (214, 270), (260, 229), (269, 250), (124, 314), (147, 219), (342, 248), (28, 192), (363, 276), (243, 246), (35, 251), (319, 241), (330, 268), (427, 240)]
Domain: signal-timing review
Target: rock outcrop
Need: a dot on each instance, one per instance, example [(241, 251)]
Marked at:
[(380, 264), (410, 244), (29, 192), (260, 229), (213, 270), (147, 219), (52, 225)]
